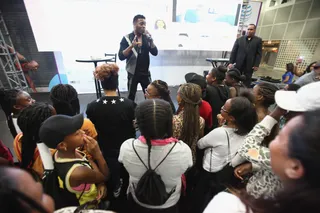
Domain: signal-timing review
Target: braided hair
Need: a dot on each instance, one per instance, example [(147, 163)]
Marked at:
[(191, 98), (154, 119), (244, 112), (12, 199), (164, 92), (8, 98), (29, 121), (267, 91), (65, 99), (236, 75)]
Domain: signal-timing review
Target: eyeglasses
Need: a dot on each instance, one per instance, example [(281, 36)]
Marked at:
[(224, 110)]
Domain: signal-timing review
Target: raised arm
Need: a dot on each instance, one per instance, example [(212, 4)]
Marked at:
[(153, 49), (251, 149), (99, 172), (125, 50), (212, 139)]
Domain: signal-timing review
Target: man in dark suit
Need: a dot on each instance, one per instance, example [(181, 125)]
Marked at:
[(246, 53)]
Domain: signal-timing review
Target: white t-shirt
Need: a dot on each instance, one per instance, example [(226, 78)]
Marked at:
[(171, 170), (216, 158), (225, 203)]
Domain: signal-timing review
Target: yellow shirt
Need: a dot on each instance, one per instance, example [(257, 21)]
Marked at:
[(37, 162)]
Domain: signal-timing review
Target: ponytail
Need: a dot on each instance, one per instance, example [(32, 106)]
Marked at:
[(148, 140)]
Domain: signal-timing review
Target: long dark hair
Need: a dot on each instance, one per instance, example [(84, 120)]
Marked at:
[(244, 112), (164, 92), (12, 199), (8, 98), (154, 119), (290, 67), (301, 195), (65, 99), (191, 98), (29, 121)]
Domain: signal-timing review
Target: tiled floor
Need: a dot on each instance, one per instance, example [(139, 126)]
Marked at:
[(6, 137)]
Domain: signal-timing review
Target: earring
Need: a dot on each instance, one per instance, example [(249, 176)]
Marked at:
[(65, 148)]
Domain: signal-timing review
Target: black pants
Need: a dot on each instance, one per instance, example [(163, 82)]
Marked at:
[(134, 80), (248, 73), (111, 157)]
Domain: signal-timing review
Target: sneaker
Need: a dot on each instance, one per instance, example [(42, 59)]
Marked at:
[(116, 193)]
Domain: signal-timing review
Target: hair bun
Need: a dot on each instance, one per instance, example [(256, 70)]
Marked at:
[(222, 68), (104, 71), (243, 78)]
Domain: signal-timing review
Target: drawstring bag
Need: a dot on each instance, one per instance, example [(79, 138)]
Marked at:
[(151, 189)]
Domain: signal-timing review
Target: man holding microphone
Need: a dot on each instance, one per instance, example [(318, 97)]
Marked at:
[(135, 48)]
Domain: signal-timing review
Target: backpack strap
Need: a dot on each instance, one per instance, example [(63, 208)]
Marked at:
[(138, 154), (229, 153), (165, 156), (160, 161)]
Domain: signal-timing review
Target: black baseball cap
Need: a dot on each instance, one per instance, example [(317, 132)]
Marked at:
[(57, 127), (196, 79)]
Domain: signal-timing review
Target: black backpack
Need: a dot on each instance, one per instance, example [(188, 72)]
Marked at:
[(151, 189)]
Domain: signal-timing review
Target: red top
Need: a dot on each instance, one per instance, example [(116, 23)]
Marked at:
[(205, 111)]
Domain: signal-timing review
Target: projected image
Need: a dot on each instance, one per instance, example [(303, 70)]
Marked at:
[(206, 11), (86, 29)]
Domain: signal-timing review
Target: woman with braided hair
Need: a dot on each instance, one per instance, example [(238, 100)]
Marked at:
[(188, 126), (154, 119), (264, 98), (12, 101), (159, 89), (64, 98), (234, 80), (25, 144)]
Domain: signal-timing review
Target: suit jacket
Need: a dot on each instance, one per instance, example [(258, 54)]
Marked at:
[(246, 53)]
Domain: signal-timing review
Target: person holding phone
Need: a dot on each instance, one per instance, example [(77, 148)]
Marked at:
[(135, 48)]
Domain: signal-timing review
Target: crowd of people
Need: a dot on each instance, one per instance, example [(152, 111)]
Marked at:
[(225, 148)]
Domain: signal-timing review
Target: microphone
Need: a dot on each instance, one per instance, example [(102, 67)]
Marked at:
[(149, 38)]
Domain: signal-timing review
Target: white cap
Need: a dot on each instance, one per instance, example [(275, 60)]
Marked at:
[(305, 99)]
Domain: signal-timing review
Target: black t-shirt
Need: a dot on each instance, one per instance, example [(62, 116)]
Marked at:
[(143, 60), (113, 119), (216, 96)]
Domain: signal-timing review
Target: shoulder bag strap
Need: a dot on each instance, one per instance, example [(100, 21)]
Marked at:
[(138, 154), (229, 153), (165, 156)]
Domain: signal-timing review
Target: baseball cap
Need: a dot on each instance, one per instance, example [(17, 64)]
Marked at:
[(196, 79), (57, 127), (305, 99)]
